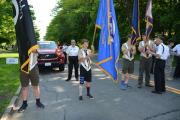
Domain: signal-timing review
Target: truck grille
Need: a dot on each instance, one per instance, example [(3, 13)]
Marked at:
[(47, 56)]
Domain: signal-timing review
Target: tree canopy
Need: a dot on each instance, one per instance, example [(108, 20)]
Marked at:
[(75, 19), (7, 30), (7, 33)]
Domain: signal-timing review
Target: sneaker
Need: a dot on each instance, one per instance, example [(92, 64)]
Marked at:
[(67, 80), (128, 86), (80, 98), (123, 86), (90, 96), (148, 85), (40, 105), (23, 108)]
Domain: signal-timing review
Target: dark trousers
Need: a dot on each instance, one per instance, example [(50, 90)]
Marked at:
[(65, 59), (144, 65), (153, 64), (177, 69), (159, 75), (73, 62)]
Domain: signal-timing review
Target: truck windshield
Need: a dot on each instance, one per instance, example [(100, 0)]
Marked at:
[(47, 45)]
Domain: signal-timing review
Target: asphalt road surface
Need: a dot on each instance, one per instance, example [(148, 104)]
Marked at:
[(110, 103)]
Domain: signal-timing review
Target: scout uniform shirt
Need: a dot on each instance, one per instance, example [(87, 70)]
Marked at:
[(142, 44), (86, 63), (33, 60), (129, 56)]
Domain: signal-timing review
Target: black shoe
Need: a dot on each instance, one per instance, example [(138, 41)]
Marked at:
[(68, 80), (129, 86), (148, 85), (80, 98), (90, 96), (156, 92), (139, 86), (163, 91), (40, 105), (23, 108)]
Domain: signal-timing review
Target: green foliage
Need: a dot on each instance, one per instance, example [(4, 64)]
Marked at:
[(9, 55), (6, 22), (7, 30), (9, 82), (75, 19)]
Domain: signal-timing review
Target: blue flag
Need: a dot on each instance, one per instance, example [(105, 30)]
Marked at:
[(135, 23), (149, 18), (109, 43)]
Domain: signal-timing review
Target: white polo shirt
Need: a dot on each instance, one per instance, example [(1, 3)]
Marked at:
[(72, 51), (65, 47), (163, 51), (177, 49)]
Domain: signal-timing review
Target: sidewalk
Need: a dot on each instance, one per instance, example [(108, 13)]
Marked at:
[(110, 103)]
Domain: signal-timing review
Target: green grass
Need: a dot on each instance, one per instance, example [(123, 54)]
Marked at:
[(5, 55), (9, 81)]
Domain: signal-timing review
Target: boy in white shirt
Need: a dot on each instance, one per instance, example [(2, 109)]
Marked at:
[(84, 58)]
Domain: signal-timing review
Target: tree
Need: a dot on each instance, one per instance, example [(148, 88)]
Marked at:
[(7, 30), (76, 19)]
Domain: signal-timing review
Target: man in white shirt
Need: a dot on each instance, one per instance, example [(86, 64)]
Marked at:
[(161, 54), (145, 60), (176, 49), (72, 59)]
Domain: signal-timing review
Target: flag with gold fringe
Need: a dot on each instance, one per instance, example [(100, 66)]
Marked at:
[(135, 23), (149, 18), (109, 43)]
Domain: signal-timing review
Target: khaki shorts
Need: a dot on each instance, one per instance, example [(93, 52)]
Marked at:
[(32, 77), (127, 66)]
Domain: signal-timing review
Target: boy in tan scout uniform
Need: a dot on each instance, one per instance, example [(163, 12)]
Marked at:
[(32, 77), (129, 51), (84, 57)]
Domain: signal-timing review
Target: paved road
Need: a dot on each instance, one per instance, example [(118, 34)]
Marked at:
[(110, 103)]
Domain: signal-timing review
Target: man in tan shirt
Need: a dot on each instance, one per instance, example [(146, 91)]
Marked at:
[(145, 60)]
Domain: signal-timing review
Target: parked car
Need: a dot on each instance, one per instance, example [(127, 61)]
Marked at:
[(50, 55)]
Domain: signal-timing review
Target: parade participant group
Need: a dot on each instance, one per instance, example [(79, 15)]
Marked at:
[(81, 58), (155, 55)]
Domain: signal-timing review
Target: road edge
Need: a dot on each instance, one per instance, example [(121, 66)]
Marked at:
[(9, 110)]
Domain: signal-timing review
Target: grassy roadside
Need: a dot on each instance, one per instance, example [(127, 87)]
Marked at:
[(9, 80), (6, 55)]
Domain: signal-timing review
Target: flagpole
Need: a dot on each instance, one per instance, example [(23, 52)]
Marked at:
[(92, 46)]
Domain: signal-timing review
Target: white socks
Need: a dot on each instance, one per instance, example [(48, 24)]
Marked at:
[(80, 89)]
